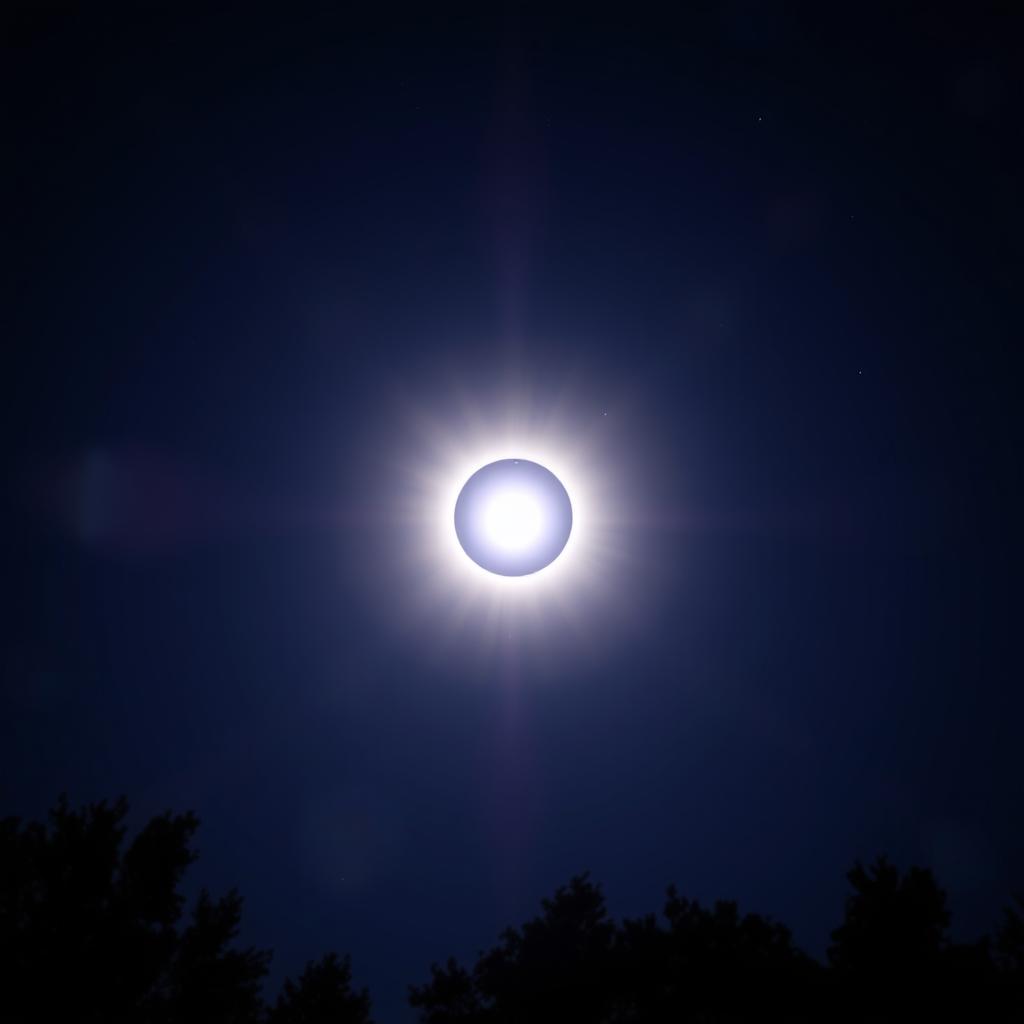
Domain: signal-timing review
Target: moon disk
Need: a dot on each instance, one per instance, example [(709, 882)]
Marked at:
[(513, 517)]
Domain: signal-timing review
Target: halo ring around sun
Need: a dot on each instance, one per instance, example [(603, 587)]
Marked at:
[(513, 517)]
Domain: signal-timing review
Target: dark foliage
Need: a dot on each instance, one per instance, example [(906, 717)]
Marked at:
[(893, 957), (891, 960), (323, 995), (573, 963), (892, 923), (1009, 942), (92, 931)]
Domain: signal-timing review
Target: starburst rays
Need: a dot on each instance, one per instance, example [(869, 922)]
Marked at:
[(449, 604)]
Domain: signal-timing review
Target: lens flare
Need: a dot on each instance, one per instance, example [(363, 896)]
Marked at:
[(513, 517)]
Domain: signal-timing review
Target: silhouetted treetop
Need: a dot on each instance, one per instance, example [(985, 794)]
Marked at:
[(322, 995), (893, 922), (93, 930), (553, 965), (574, 963), (1009, 943), (714, 964), (450, 995)]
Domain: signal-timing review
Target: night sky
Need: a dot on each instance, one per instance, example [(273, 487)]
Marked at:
[(767, 264)]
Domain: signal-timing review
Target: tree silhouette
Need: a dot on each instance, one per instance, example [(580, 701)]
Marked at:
[(1009, 944), (323, 995), (723, 964), (449, 997), (894, 923), (891, 960), (553, 968), (573, 963), (92, 931), (207, 979), (893, 955)]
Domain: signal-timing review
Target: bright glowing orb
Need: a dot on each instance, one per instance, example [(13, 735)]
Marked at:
[(513, 517)]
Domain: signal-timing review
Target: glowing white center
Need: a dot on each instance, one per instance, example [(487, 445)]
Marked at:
[(513, 520)]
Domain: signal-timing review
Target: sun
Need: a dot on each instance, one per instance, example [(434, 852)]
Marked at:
[(513, 517), (512, 521)]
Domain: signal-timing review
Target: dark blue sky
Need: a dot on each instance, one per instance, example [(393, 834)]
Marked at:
[(791, 244)]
